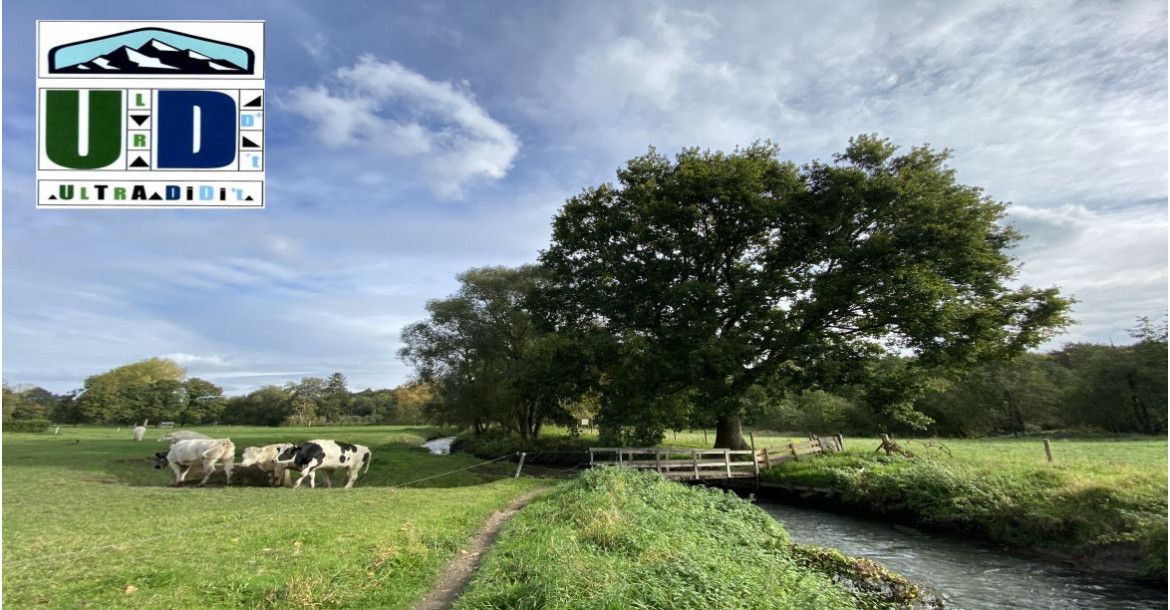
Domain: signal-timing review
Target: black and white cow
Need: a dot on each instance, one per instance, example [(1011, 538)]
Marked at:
[(311, 456), (206, 452)]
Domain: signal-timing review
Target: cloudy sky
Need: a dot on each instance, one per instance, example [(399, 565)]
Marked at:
[(409, 142)]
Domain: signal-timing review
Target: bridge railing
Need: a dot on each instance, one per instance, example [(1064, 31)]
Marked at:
[(689, 463)]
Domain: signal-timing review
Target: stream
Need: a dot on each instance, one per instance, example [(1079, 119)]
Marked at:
[(966, 574), (439, 446)]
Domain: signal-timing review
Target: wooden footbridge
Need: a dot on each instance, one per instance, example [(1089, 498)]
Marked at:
[(686, 464)]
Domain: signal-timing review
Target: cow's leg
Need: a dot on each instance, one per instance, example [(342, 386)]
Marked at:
[(328, 478), (228, 464), (178, 478), (278, 475), (208, 468), (353, 475), (304, 473)]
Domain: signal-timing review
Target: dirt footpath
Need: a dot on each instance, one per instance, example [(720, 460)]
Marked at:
[(459, 571)]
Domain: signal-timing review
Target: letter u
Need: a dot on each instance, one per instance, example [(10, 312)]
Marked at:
[(63, 128)]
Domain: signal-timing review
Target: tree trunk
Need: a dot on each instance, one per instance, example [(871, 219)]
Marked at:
[(729, 433)]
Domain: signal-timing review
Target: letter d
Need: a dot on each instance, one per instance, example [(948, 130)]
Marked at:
[(196, 129)]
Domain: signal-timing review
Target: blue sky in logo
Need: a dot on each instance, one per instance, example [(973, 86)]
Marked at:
[(407, 142), (79, 53)]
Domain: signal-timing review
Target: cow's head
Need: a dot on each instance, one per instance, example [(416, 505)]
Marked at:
[(287, 455), (160, 459)]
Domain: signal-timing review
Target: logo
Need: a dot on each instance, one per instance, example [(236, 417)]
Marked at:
[(155, 114)]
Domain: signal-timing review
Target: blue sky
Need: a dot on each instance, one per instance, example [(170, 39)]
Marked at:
[(408, 142)]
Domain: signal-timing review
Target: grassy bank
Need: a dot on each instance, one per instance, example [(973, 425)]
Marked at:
[(1101, 502), (624, 539), (89, 523)]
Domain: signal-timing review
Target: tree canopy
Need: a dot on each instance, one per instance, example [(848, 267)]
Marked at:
[(487, 358), (716, 271)]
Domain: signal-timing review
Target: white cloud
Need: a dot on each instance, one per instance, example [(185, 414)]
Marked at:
[(185, 360), (1043, 103), (385, 108), (1112, 261)]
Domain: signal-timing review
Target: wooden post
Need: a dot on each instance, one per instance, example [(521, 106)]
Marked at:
[(1048, 450), (619, 456), (756, 464), (520, 465), (727, 461), (752, 436), (695, 460), (591, 457), (767, 460), (704, 436), (840, 442), (886, 443), (658, 461), (792, 448)]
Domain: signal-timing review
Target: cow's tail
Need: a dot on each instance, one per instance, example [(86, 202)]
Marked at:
[(225, 451), (369, 458)]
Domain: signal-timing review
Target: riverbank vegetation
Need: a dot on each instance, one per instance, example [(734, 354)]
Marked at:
[(618, 538), (88, 523), (1101, 503)]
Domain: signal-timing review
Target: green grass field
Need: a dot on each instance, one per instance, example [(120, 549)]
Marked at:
[(89, 523), (1103, 501)]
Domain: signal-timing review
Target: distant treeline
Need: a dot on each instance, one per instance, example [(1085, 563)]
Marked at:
[(1080, 388), (158, 389)]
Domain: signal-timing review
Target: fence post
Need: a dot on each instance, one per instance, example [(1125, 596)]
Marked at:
[(840, 442), (591, 457), (658, 460), (520, 465), (727, 461), (756, 464), (886, 443), (704, 436), (792, 448), (767, 460), (1048, 450), (695, 460)]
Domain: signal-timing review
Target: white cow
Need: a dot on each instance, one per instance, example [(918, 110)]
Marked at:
[(205, 452), (311, 456), (182, 435), (139, 432), (265, 458)]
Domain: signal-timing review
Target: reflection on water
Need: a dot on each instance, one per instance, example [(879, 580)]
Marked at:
[(440, 446), (965, 574)]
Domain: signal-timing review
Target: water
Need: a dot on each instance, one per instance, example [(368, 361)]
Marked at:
[(965, 574), (440, 446)]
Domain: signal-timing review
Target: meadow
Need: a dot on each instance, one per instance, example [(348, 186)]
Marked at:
[(88, 522)]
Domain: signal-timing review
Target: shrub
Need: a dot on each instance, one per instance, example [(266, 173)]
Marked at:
[(557, 451), (27, 425)]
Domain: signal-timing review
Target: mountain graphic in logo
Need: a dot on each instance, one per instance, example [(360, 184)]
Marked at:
[(151, 51)]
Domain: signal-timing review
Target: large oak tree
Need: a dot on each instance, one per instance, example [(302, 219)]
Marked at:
[(712, 272)]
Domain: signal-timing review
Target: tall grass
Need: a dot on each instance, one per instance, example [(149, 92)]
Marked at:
[(617, 538)]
